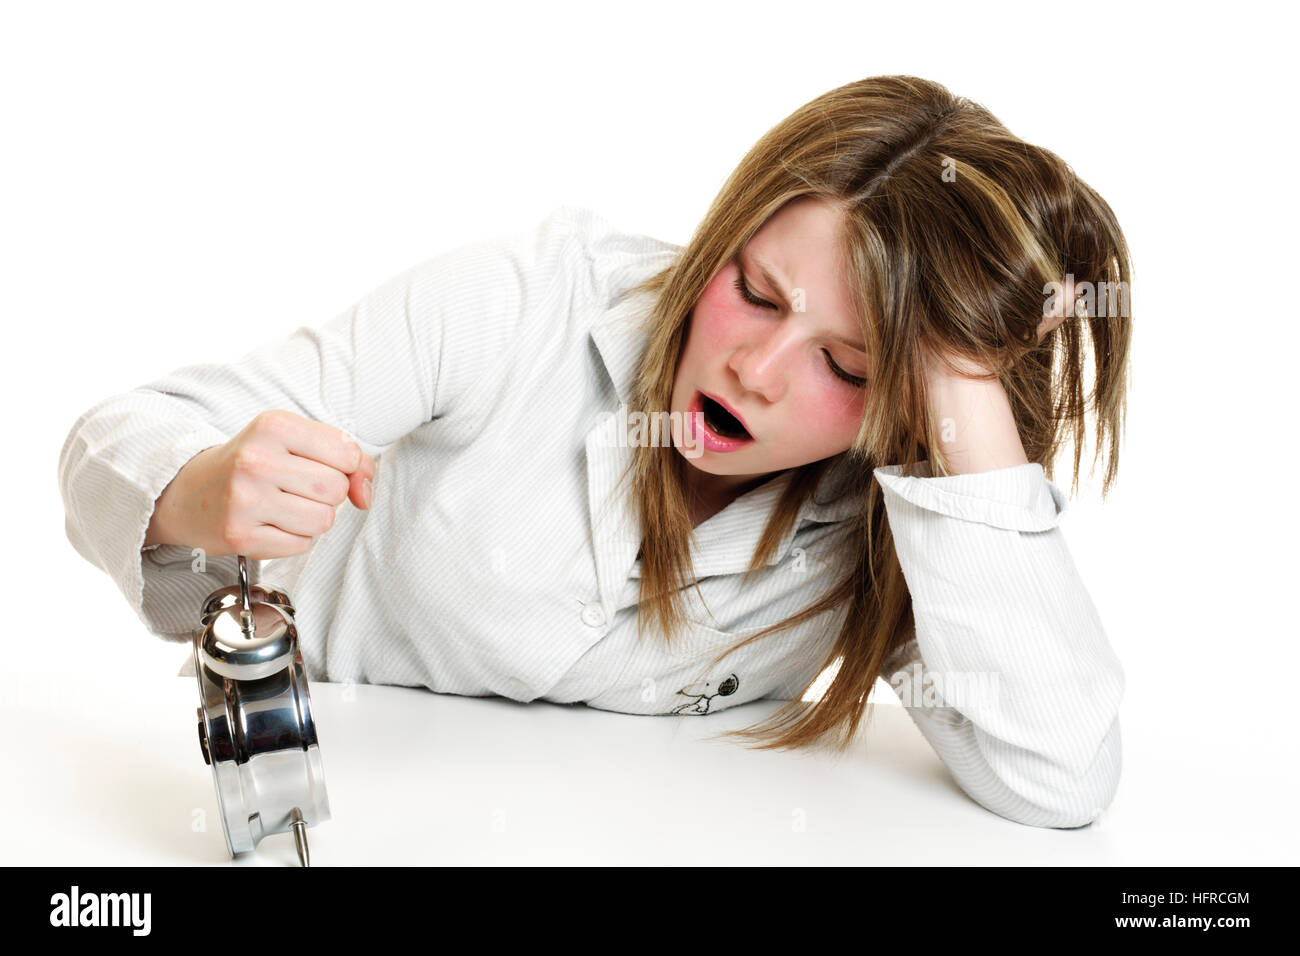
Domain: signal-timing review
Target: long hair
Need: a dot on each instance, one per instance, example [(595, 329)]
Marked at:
[(953, 231)]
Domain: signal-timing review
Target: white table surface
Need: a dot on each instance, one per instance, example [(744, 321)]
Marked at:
[(105, 771)]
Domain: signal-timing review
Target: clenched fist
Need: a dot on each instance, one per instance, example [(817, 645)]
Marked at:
[(266, 493)]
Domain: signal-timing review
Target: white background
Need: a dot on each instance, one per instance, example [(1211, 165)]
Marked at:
[(182, 182)]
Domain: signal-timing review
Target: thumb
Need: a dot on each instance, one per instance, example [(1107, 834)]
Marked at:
[(357, 489)]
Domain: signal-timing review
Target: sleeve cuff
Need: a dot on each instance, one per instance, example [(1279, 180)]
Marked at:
[(1018, 498), (134, 565)]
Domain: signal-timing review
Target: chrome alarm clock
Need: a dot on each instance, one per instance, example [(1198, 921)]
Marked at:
[(256, 728)]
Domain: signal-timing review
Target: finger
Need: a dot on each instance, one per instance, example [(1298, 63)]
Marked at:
[(320, 442), (1048, 324), (1063, 306), (310, 479), (357, 492), (268, 542), (300, 516)]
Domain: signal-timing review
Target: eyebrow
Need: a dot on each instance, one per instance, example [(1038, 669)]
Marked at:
[(769, 278)]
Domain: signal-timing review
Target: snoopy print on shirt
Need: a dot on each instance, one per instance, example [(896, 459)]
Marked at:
[(702, 692)]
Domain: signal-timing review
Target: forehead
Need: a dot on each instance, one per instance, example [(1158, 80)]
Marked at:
[(805, 217), (801, 245)]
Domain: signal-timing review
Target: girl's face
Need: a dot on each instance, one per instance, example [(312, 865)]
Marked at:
[(782, 351)]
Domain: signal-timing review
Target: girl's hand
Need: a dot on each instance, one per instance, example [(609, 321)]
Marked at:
[(937, 373), (266, 493), (970, 410)]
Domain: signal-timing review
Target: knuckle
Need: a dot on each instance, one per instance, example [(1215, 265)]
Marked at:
[(248, 460), (271, 422), (238, 499), (233, 539)]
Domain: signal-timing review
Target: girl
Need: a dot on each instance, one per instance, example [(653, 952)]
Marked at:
[(668, 480)]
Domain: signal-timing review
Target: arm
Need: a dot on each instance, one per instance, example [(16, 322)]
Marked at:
[(1002, 614), (408, 353)]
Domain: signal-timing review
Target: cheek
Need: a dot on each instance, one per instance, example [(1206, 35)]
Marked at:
[(830, 415), (717, 321)]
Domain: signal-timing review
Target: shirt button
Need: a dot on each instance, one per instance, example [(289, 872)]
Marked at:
[(593, 615)]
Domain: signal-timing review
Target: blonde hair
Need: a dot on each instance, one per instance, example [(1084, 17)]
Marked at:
[(952, 231)]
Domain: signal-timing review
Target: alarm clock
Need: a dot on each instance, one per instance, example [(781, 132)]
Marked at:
[(255, 722)]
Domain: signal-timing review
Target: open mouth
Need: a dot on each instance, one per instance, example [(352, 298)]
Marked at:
[(722, 422)]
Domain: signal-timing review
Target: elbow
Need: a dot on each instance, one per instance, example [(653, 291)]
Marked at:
[(1064, 798), (1097, 788), (1071, 784)]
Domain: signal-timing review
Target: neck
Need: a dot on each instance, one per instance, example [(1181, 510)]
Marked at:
[(707, 494)]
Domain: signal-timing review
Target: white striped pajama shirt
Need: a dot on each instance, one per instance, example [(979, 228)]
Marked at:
[(497, 560)]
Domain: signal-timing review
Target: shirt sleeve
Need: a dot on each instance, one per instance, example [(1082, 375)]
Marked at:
[(1009, 674), (409, 352)]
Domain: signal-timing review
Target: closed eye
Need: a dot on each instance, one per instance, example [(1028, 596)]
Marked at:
[(844, 376), (748, 296), (752, 299)]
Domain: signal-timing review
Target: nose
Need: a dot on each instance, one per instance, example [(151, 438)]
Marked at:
[(762, 365)]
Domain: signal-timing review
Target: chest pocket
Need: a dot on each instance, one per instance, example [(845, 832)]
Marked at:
[(697, 640)]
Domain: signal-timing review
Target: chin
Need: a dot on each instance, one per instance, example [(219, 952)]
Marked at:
[(710, 464)]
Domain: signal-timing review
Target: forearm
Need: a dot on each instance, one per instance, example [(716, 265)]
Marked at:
[(977, 431), (1018, 689), (158, 531), (116, 461), (168, 523)]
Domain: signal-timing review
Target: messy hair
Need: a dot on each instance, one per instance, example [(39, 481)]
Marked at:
[(952, 232)]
